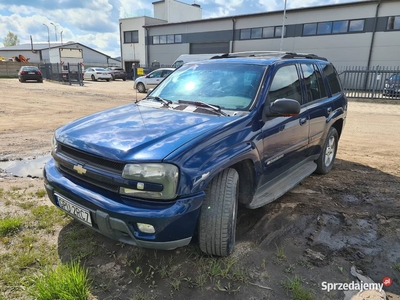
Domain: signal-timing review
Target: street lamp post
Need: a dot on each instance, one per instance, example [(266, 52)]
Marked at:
[(283, 27), (61, 36), (55, 29), (48, 37)]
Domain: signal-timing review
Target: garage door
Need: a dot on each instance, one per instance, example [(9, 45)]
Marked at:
[(202, 48)]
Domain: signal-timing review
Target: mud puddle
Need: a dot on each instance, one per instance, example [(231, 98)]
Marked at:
[(29, 167)]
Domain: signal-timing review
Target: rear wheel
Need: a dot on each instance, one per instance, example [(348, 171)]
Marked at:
[(141, 88), (124, 79), (328, 155), (113, 77), (217, 221)]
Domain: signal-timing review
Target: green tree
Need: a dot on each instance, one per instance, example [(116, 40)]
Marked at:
[(11, 39)]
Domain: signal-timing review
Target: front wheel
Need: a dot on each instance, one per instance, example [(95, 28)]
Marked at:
[(217, 221), (328, 154), (141, 88), (93, 78)]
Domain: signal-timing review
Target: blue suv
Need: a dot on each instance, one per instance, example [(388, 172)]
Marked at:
[(237, 129)]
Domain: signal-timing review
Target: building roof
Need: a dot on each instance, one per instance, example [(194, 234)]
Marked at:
[(274, 12), (45, 46), (36, 46)]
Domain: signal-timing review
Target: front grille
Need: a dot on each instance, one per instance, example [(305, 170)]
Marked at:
[(88, 158), (99, 183)]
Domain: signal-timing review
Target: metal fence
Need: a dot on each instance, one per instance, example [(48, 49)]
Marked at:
[(67, 73), (375, 83)]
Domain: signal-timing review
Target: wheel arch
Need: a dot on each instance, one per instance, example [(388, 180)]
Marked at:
[(338, 125)]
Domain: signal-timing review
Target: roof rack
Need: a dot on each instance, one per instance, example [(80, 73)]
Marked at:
[(281, 54)]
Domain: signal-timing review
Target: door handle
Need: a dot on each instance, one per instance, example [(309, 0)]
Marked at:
[(302, 121), (329, 110)]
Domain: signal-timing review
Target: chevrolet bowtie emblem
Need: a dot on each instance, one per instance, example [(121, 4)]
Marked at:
[(80, 169)]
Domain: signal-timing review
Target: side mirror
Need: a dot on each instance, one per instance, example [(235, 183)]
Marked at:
[(283, 107)]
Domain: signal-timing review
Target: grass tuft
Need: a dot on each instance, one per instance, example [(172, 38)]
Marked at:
[(66, 281), (298, 292), (10, 226)]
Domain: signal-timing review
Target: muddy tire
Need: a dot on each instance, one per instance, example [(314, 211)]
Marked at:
[(328, 154), (217, 221), (141, 88)]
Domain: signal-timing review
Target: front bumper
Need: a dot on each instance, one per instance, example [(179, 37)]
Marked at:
[(116, 217)]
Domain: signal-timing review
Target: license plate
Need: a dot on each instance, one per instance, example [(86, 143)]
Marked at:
[(31, 72), (74, 210)]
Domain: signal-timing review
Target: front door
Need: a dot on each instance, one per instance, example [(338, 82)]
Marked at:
[(285, 139)]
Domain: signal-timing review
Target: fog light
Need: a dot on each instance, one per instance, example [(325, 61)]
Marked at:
[(146, 228)]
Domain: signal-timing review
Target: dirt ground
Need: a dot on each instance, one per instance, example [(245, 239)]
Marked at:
[(316, 232)]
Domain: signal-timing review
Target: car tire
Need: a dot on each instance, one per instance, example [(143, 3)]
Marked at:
[(217, 221), (108, 79), (124, 79), (328, 154), (113, 77), (140, 87), (93, 78)]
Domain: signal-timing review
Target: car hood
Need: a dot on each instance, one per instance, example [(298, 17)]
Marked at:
[(136, 132)]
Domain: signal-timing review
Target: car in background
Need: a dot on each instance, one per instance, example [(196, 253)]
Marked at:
[(392, 86), (29, 73), (143, 83), (96, 74), (117, 73)]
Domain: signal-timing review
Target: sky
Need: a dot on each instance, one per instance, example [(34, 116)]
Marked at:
[(95, 23)]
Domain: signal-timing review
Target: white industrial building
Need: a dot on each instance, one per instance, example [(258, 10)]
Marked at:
[(39, 53), (365, 33)]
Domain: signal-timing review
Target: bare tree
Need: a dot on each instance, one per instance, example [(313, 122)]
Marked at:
[(11, 39)]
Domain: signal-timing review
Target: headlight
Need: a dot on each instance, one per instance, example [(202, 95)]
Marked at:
[(387, 85), (54, 143), (146, 175)]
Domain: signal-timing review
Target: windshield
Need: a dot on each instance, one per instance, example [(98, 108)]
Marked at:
[(227, 85)]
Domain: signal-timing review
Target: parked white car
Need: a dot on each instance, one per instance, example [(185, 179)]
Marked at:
[(143, 83), (96, 74)]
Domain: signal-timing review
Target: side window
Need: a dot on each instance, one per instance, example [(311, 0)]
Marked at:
[(332, 77), (155, 74), (286, 84), (166, 73), (313, 81)]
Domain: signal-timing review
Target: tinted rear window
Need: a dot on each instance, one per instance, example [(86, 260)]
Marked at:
[(333, 80)]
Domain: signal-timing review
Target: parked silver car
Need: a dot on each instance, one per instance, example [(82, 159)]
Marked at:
[(143, 83)]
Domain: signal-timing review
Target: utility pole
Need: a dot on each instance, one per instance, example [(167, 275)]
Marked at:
[(283, 27), (48, 37), (55, 29)]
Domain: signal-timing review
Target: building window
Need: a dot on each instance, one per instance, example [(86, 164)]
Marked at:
[(310, 29), (131, 37), (178, 38), (163, 39), (356, 25), (393, 23), (268, 32), (170, 39), (156, 39), (245, 34), (324, 28), (340, 26), (256, 33), (278, 31)]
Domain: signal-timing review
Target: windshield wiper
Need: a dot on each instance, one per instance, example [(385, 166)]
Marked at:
[(165, 102), (215, 108)]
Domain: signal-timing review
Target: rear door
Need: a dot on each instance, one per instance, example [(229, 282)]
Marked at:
[(318, 103)]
